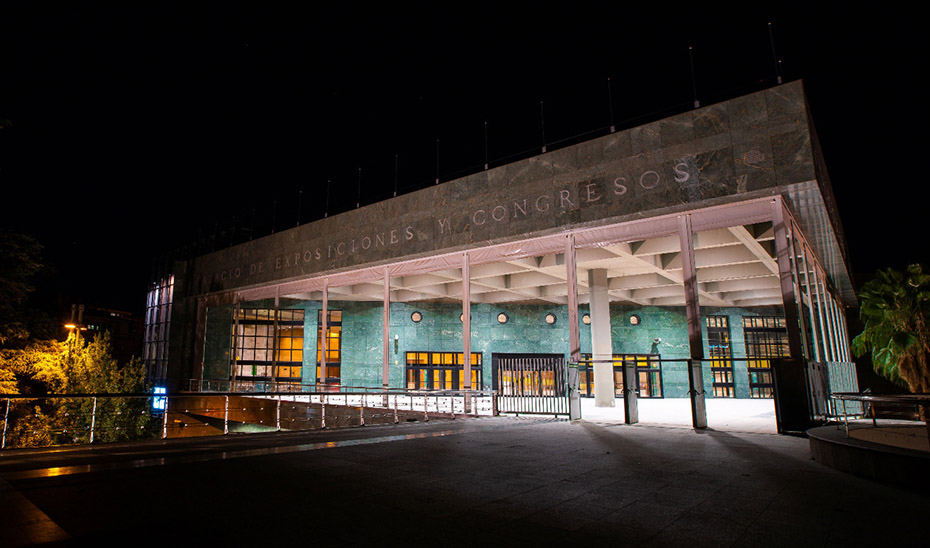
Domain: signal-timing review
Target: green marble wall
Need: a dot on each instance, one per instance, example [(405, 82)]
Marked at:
[(525, 332), (439, 331), (667, 324)]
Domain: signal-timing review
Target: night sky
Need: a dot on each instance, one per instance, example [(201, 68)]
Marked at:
[(129, 132)]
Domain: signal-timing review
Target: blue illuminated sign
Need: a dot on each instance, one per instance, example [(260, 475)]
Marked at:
[(158, 403)]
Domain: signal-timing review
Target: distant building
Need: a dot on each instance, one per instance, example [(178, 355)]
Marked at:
[(125, 329), (712, 235)]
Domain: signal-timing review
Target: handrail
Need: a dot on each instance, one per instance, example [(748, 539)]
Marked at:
[(903, 400), (260, 386), (373, 392), (357, 402)]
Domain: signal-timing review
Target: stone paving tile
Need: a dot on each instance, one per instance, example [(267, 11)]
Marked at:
[(697, 529), (743, 508), (569, 515), (500, 483), (551, 494), (765, 534), (640, 485), (634, 524), (512, 508), (614, 499), (676, 497)]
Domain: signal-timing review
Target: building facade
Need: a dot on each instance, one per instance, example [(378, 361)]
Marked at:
[(695, 250)]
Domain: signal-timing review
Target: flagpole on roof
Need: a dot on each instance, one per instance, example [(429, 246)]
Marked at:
[(693, 80), (326, 211), (485, 145), (774, 56), (542, 124), (610, 104)]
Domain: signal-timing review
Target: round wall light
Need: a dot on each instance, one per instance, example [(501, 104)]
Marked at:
[(586, 319), (635, 320), (550, 318), (503, 318), (417, 316)]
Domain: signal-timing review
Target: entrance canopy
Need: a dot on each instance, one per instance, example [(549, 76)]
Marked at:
[(734, 262)]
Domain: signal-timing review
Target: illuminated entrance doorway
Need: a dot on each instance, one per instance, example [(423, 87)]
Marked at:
[(440, 370), (333, 336)]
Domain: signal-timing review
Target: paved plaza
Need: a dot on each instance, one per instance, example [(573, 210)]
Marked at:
[(723, 414), (469, 482)]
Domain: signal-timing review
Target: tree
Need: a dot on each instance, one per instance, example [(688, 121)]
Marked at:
[(895, 311), (34, 368), (20, 258), (39, 367), (90, 368), (75, 366)]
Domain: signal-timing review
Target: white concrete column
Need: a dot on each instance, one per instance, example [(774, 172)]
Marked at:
[(386, 332), (783, 251), (466, 323), (693, 314), (837, 329), (574, 335), (817, 340), (601, 344), (274, 340), (824, 329), (324, 321), (844, 340), (571, 281), (235, 347), (798, 294), (831, 320)]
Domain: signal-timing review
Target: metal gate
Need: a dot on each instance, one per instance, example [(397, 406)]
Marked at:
[(530, 383)]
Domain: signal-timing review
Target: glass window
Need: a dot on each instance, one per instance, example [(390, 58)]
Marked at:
[(333, 344), (157, 315), (441, 370), (718, 347), (268, 344), (766, 337)]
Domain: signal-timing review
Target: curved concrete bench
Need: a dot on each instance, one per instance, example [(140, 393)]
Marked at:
[(829, 446)]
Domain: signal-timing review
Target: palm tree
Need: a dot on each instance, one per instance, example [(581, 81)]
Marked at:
[(895, 308)]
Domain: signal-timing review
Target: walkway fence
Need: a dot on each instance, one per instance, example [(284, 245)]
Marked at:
[(73, 419), (916, 406), (532, 385)]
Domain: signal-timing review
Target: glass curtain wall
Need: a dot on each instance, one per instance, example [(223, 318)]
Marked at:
[(267, 344)]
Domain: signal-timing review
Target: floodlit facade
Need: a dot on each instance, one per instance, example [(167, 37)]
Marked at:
[(681, 258)]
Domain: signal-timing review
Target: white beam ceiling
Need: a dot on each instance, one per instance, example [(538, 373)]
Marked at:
[(734, 268)]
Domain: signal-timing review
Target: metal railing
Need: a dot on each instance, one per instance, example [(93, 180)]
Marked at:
[(61, 419), (70, 419), (918, 403), (240, 386), (534, 385)]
